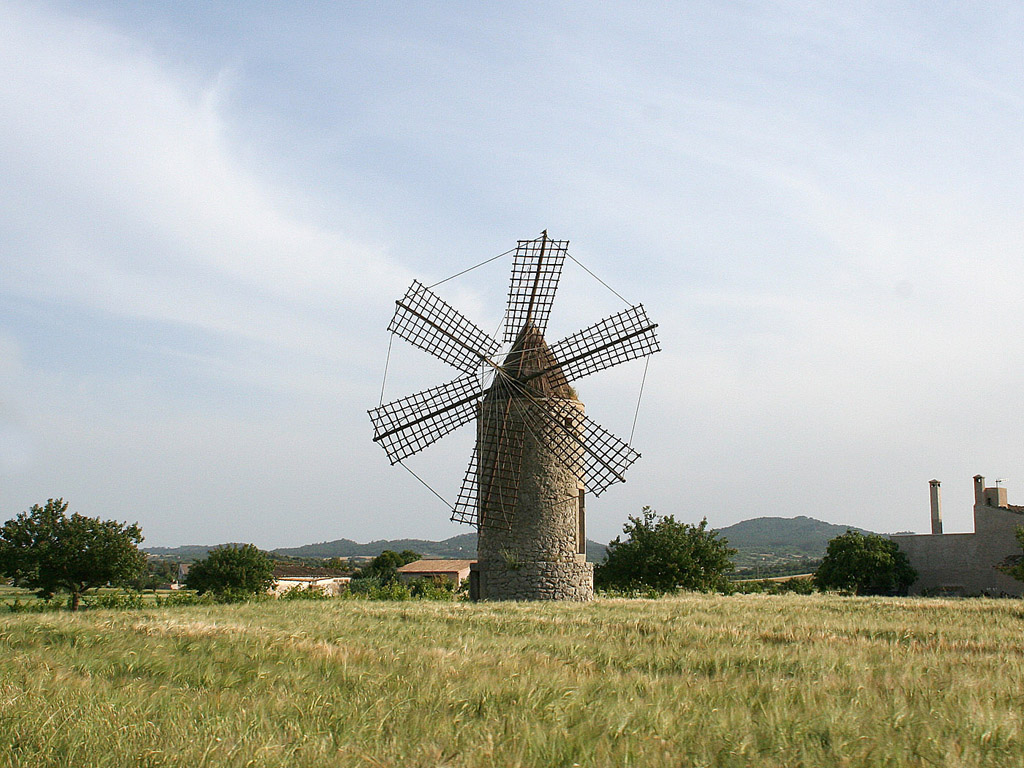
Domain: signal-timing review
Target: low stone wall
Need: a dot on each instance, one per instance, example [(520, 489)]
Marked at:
[(536, 581)]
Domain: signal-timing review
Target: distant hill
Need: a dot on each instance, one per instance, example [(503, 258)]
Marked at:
[(184, 553), (761, 540), (782, 536), (458, 547)]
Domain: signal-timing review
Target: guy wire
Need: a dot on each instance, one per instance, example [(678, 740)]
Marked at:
[(602, 282), (470, 269), (647, 362), (442, 498), (387, 362)]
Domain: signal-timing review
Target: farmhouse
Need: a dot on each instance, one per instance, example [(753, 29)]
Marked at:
[(967, 563), (288, 576), (449, 570)]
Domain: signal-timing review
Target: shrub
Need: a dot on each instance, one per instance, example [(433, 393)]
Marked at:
[(234, 573), (34, 606), (305, 593), (665, 555), (185, 597), (865, 565), (1017, 568), (373, 588), (433, 589), (115, 600)]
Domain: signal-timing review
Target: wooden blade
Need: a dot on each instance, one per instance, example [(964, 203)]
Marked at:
[(408, 425), (490, 487), (583, 446), (427, 321), (621, 337), (536, 268)]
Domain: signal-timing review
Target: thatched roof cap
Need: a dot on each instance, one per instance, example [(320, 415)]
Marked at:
[(529, 356)]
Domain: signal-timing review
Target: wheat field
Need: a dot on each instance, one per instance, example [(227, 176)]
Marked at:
[(693, 680)]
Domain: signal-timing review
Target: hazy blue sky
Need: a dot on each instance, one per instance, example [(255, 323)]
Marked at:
[(207, 211)]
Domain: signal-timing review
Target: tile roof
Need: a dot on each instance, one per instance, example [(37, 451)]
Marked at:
[(436, 566), (297, 571)]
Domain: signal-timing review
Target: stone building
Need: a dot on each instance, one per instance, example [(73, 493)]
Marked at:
[(967, 563), (531, 542), (294, 576), (455, 571)]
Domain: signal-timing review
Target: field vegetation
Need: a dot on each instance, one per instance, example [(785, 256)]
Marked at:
[(696, 679)]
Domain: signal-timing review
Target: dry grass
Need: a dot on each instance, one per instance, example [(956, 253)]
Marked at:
[(694, 680)]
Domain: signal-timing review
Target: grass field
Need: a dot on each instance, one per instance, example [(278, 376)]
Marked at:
[(694, 680)]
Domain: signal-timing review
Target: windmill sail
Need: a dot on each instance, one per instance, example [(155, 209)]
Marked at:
[(408, 425), (621, 337), (492, 479), (536, 269), (569, 433), (427, 321)]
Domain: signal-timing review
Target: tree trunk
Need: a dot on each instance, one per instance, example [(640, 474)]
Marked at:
[(75, 597)]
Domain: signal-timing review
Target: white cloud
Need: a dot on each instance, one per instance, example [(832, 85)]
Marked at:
[(123, 194), (820, 208)]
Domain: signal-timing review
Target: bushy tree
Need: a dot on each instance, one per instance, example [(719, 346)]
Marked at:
[(1017, 569), (865, 565), (385, 565), (46, 550), (337, 564), (663, 554), (232, 572)]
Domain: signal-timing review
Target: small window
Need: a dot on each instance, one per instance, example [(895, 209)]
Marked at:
[(581, 534)]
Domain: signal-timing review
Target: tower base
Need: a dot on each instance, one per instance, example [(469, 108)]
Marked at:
[(538, 580)]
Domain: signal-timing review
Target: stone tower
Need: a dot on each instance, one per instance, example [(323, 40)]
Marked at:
[(531, 539)]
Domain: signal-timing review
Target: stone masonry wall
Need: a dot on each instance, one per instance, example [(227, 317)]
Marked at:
[(537, 580), (537, 557)]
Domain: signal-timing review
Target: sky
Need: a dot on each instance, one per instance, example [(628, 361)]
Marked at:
[(207, 211)]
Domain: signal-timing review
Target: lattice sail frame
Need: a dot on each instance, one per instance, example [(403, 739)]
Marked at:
[(427, 321), (406, 426), (624, 336), (493, 478), (536, 269)]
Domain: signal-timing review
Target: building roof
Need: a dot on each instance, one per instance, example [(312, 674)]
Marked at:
[(436, 566), (297, 571)]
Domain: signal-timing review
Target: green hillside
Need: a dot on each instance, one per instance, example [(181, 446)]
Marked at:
[(461, 547), (776, 546), (765, 544), (458, 547), (784, 535)]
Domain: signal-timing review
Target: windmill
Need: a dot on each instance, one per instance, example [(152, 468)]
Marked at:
[(536, 452)]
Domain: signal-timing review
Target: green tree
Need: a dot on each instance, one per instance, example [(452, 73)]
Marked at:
[(663, 554), (232, 572), (1017, 568), (385, 565), (337, 564), (45, 550), (865, 565)]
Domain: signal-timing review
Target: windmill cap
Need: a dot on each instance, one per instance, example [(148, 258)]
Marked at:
[(530, 362)]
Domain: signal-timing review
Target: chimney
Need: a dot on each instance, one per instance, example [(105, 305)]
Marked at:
[(936, 500), (979, 491)]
